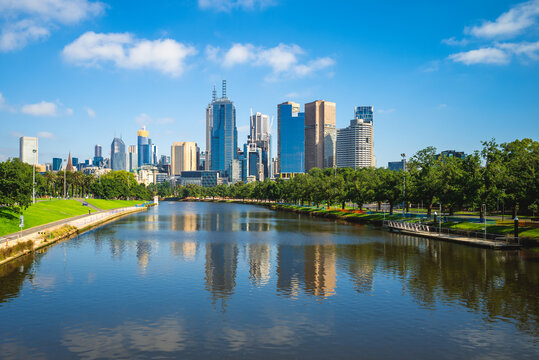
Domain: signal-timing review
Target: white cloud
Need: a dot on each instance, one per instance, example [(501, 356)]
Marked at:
[(239, 54), (69, 111), (145, 119), (452, 41), (489, 55), (442, 106), (125, 51), (91, 112), (45, 135), (228, 5), (281, 59), (2, 101), (25, 21), (511, 23), (43, 108), (529, 49)]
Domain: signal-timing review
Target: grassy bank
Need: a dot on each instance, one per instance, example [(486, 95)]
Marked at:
[(43, 212), (113, 204)]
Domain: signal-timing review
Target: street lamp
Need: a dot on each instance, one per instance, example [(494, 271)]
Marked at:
[(484, 206), (65, 167), (403, 181), (34, 177)]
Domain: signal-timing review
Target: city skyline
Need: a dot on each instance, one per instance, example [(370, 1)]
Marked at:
[(425, 86)]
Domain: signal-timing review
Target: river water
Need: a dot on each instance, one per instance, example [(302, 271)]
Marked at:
[(204, 280)]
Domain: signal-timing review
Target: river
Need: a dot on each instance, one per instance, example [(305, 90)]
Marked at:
[(209, 280)]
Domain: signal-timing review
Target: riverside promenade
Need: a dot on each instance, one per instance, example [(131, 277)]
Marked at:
[(48, 234)]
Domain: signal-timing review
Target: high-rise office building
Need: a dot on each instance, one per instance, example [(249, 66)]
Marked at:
[(144, 143), (56, 164), (209, 125), (366, 113), (98, 151), (320, 135), (355, 148), (155, 156), (260, 135), (224, 134), (183, 157), (290, 138), (28, 150), (132, 157), (118, 156)]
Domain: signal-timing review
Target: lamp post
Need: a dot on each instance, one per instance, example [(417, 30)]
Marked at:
[(503, 205), (34, 178), (484, 206), (516, 228), (65, 167), (403, 182)]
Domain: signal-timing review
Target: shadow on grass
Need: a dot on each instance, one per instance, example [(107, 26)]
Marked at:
[(7, 214)]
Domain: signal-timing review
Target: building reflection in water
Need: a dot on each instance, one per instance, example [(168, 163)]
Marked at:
[(217, 222), (187, 250), (320, 274), (144, 248), (289, 269), (259, 263), (221, 265)]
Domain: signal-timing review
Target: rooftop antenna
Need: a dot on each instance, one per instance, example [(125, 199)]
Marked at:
[(214, 94), (224, 88)]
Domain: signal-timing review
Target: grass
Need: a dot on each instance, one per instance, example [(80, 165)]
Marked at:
[(469, 226), (113, 204), (41, 213)]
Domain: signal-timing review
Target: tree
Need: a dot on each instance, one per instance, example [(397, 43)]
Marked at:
[(15, 185)]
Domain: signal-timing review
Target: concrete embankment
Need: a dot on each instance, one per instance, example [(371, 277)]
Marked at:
[(45, 237)]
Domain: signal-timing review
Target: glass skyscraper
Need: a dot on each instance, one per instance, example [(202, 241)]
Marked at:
[(118, 155), (365, 112), (224, 135), (144, 147), (291, 138)]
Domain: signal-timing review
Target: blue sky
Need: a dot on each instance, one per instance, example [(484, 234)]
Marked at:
[(78, 72)]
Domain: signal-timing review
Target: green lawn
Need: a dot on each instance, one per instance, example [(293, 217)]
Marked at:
[(42, 212), (113, 204)]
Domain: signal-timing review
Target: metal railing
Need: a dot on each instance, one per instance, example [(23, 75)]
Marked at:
[(440, 230)]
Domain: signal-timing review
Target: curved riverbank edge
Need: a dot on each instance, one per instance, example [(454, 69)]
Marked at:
[(55, 233), (348, 217)]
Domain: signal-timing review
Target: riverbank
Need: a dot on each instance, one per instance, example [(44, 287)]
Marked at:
[(43, 237), (528, 236)]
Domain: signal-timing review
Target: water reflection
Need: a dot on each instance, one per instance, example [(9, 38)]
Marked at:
[(259, 263), (287, 280), (221, 264)]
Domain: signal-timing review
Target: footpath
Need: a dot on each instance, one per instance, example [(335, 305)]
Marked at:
[(44, 235)]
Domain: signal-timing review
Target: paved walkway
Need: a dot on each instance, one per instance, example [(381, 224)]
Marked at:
[(44, 227), (82, 201)]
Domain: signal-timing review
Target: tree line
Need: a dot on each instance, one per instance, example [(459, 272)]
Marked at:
[(16, 185), (506, 173)]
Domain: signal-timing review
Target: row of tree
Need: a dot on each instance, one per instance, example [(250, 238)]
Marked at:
[(16, 185), (499, 174)]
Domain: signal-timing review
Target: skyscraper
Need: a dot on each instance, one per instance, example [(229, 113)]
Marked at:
[(132, 157), (155, 156), (118, 156), (365, 112), (183, 157), (98, 151), (144, 147), (355, 146), (27, 145), (224, 135), (260, 135), (290, 138), (320, 135), (209, 125), (56, 164)]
